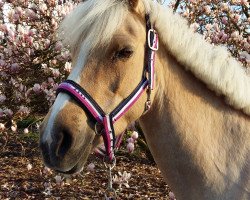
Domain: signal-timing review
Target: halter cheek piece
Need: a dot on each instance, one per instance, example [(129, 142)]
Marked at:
[(105, 122)]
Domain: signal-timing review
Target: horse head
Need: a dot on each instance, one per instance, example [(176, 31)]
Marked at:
[(107, 39)]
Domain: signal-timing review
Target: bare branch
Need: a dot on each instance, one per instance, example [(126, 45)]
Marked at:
[(177, 5), (245, 11)]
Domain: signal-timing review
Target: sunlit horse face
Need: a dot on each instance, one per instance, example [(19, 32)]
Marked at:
[(109, 74)]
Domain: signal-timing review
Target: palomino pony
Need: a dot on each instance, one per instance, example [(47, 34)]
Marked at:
[(198, 125)]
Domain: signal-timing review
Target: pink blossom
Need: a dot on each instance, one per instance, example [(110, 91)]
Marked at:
[(47, 171), (54, 62), (58, 179), (246, 45), (14, 67), (43, 7), (30, 14), (48, 188), (58, 46), (171, 196), (36, 45), (224, 20), (54, 24), (130, 147), (21, 87), (16, 17), (50, 94), (65, 55), (216, 27), (11, 14), (8, 112), (2, 126), (32, 32), (122, 179), (130, 140), (207, 9), (224, 37), (235, 34), (29, 167), (4, 28), (26, 131), (186, 13), (27, 93), (236, 18), (51, 81), (55, 86), (208, 26), (245, 55), (19, 11), (23, 110), (135, 135), (2, 98), (192, 1), (194, 26), (30, 51), (245, 2), (67, 67), (29, 40), (13, 128), (224, 6), (91, 167), (55, 72), (36, 88), (21, 30), (2, 3), (46, 43), (2, 63), (11, 34)]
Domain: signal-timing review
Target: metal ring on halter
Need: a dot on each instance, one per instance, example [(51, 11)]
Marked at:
[(98, 130), (147, 105), (108, 164), (152, 46)]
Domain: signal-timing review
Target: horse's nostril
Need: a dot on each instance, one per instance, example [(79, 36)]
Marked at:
[(65, 144)]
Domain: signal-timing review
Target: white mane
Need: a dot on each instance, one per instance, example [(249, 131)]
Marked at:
[(211, 64), (97, 20), (92, 22)]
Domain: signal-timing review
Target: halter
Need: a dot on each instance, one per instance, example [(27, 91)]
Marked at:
[(106, 120)]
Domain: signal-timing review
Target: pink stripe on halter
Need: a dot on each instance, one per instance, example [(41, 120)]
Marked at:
[(109, 137), (83, 99), (130, 103)]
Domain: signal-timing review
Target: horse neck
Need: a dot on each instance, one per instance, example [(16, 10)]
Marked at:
[(187, 133)]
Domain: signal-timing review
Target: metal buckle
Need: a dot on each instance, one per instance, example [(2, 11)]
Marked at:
[(108, 163), (147, 105), (152, 31)]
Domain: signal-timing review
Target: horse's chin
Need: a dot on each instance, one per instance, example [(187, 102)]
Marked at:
[(75, 166), (76, 169)]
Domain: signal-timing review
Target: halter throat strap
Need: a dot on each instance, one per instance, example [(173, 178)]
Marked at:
[(107, 120)]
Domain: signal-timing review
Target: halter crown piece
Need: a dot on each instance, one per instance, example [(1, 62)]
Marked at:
[(106, 121)]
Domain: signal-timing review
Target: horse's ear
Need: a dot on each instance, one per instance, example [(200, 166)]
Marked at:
[(133, 3)]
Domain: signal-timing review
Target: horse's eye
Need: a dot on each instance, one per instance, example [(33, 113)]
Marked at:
[(123, 53)]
